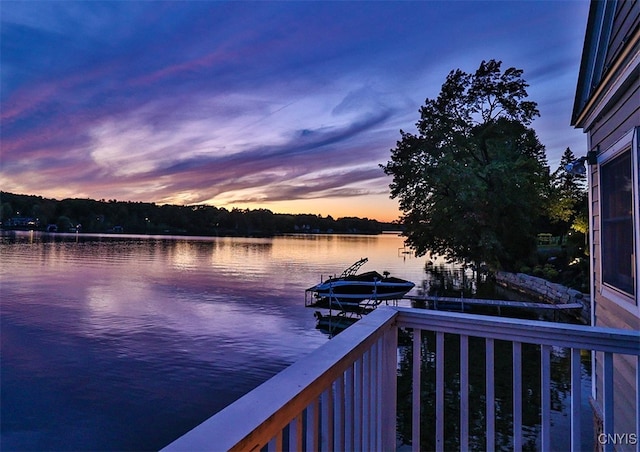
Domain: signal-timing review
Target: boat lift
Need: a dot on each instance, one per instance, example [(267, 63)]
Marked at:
[(342, 313), (346, 307)]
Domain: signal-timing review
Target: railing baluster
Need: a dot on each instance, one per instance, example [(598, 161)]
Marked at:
[(366, 400), (349, 419), (327, 419), (545, 395), (464, 392), (295, 433), (378, 393), (330, 417), (279, 440), (324, 434), (439, 391), (576, 398), (275, 443), (517, 396), (490, 403), (415, 390), (358, 424), (313, 414), (338, 423), (371, 400), (390, 384), (607, 398)]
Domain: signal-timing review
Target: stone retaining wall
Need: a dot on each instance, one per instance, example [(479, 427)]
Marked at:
[(545, 291)]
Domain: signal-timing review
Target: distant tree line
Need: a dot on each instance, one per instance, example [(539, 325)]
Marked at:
[(87, 215)]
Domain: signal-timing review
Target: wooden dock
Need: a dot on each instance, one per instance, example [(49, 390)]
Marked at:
[(461, 302)]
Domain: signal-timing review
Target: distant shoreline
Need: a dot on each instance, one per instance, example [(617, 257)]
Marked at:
[(73, 215), (115, 235)]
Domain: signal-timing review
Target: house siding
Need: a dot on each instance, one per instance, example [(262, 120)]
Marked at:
[(607, 312), (623, 116), (625, 21), (610, 110), (610, 314)]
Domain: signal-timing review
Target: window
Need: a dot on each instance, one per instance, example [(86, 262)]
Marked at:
[(616, 185)]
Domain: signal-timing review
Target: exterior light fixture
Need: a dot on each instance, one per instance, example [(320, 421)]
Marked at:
[(577, 166)]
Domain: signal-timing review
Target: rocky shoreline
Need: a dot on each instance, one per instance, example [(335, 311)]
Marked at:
[(545, 291)]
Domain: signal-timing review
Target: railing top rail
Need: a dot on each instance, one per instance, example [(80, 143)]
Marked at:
[(526, 331), (250, 421)]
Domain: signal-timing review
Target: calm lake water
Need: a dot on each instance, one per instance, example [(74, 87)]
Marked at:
[(114, 342), (126, 342)]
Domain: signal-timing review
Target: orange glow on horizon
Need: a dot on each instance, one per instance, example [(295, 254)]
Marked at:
[(374, 207)]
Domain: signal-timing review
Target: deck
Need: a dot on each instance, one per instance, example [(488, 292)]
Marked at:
[(343, 396)]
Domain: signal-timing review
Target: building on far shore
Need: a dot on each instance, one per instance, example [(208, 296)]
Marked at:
[(607, 108)]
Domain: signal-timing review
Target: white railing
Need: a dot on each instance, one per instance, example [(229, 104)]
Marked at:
[(343, 395)]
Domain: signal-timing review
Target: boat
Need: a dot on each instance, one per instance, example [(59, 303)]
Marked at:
[(351, 289)]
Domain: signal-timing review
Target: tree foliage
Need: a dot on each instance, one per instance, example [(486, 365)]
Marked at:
[(470, 182), (567, 208)]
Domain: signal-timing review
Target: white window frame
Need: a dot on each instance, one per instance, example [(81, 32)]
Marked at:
[(629, 141)]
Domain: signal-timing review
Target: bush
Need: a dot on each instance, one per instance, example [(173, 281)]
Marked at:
[(546, 271)]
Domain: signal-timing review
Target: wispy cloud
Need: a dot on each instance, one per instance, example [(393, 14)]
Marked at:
[(242, 103)]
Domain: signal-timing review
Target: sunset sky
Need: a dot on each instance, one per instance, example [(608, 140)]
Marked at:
[(289, 106)]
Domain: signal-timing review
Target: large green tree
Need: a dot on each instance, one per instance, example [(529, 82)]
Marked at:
[(471, 181)]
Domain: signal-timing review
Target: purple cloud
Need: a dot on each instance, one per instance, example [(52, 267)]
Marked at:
[(252, 102)]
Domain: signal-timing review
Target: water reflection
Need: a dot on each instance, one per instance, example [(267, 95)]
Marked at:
[(530, 390), (126, 342), (451, 280)]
